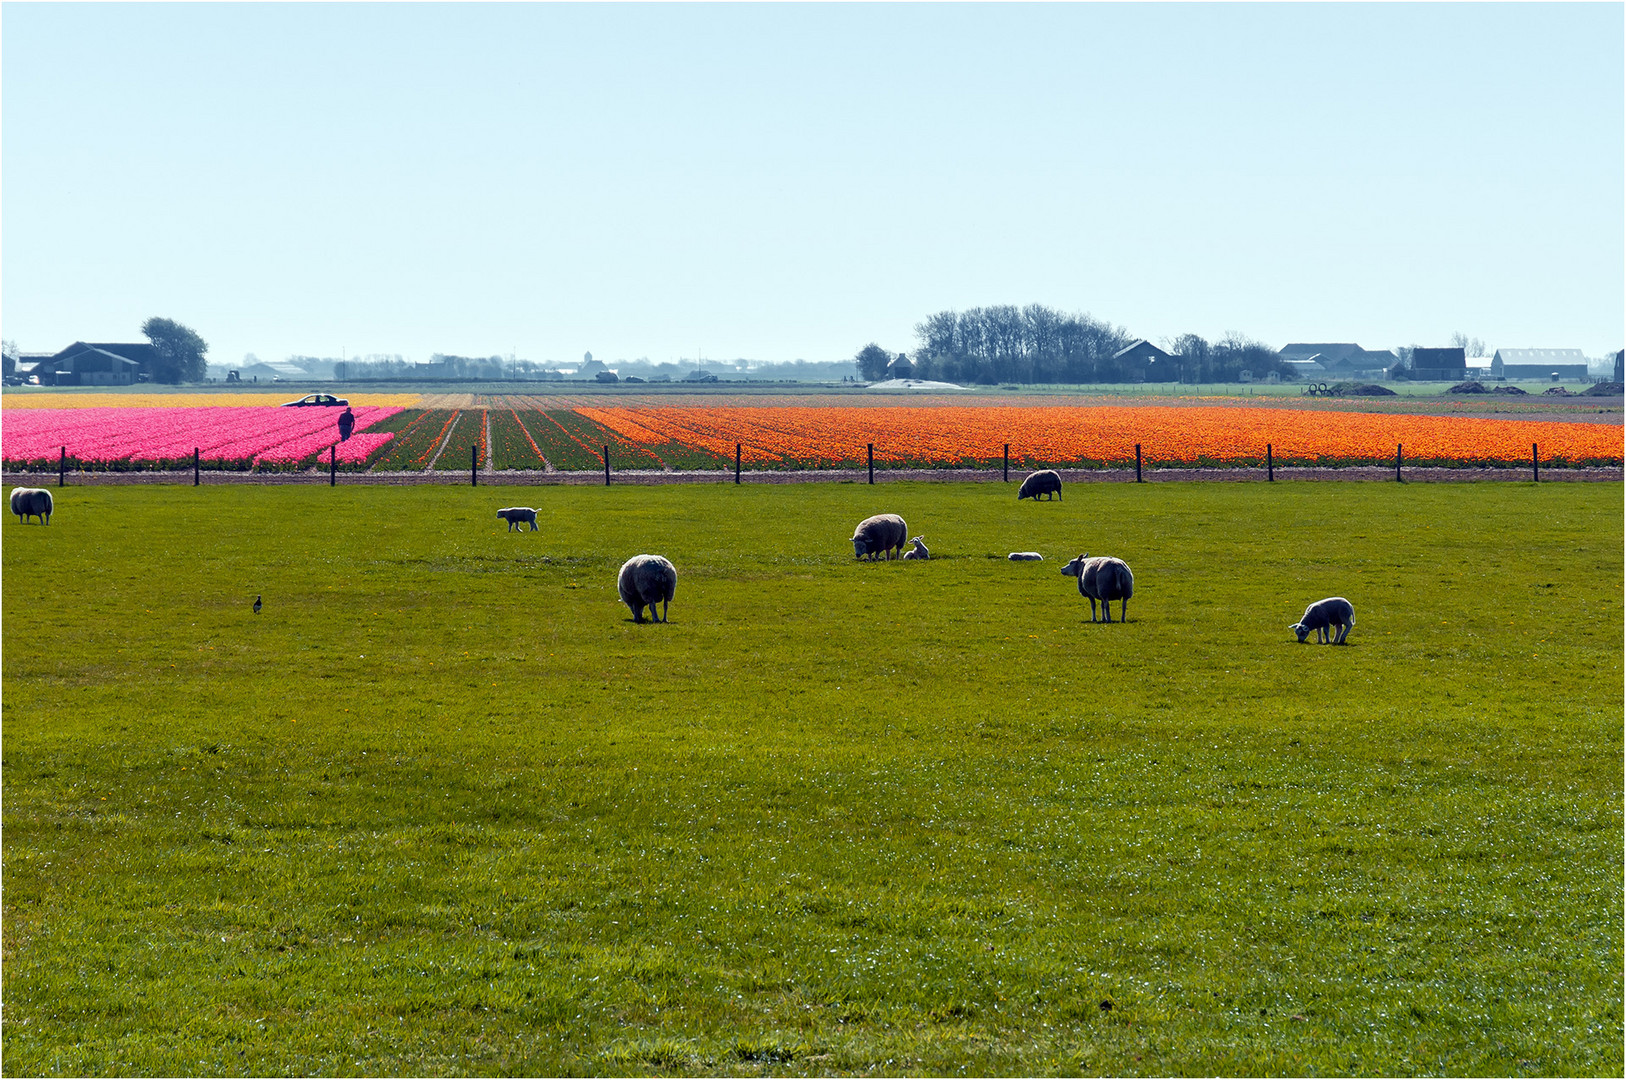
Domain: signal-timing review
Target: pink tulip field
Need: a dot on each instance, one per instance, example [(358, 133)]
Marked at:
[(226, 437)]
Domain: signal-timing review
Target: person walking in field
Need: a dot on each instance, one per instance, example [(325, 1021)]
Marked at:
[(347, 424)]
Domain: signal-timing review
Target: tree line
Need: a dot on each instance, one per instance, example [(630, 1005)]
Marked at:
[(1037, 344)]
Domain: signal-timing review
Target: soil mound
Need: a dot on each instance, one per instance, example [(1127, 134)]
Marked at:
[(1605, 389), (1472, 386)]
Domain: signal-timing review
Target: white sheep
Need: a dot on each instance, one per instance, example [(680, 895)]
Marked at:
[(644, 581), (1322, 616), (1046, 482), (1025, 556), (31, 502), (882, 534), (919, 551), (1105, 579), (517, 516)]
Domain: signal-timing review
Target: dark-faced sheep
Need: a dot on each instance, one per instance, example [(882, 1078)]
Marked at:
[(31, 502), (1046, 482), (644, 581), (883, 534), (1105, 579), (1322, 616), (518, 515), (919, 551)]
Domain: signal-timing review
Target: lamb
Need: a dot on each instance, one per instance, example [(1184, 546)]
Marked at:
[(1025, 556), (1046, 482), (919, 551), (882, 534), (518, 515), (1105, 579), (31, 502), (1322, 616), (644, 581)]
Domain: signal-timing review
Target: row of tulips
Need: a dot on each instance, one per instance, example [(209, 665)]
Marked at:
[(790, 437), (224, 437), (1101, 435)]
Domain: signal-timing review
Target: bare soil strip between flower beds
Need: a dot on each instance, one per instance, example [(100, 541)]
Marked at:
[(537, 477)]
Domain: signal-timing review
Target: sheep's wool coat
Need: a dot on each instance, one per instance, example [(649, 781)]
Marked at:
[(31, 502), (644, 581), (881, 534)]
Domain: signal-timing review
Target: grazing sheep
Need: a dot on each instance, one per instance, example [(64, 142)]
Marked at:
[(919, 550), (882, 534), (31, 502), (1046, 482), (1322, 616), (1025, 556), (646, 580), (518, 515), (1105, 579)]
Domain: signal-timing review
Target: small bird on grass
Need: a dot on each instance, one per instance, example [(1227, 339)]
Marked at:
[(256, 603)]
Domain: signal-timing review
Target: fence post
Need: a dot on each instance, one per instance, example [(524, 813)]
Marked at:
[(333, 465), (1535, 464), (606, 466), (62, 469), (1137, 464), (1270, 464), (736, 463), (194, 466), (1007, 463), (872, 463), (1397, 462), (474, 465)]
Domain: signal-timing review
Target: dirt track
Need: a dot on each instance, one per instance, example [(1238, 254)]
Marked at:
[(1366, 473)]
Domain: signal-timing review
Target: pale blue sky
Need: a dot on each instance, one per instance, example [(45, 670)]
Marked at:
[(784, 181)]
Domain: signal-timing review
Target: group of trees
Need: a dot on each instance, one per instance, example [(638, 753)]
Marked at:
[(1198, 361), (178, 351), (1037, 344), (1004, 343)]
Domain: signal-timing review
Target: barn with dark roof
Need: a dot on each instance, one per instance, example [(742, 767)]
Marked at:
[(97, 364)]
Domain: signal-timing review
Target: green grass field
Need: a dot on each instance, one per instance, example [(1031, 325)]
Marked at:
[(442, 808)]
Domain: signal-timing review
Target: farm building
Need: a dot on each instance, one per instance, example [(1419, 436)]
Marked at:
[(1450, 365), (1345, 359), (272, 371), (1308, 367), (1538, 364), (95, 364), (1620, 366), (900, 368), (1144, 361)]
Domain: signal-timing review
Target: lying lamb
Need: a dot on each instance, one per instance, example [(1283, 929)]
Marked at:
[(1046, 482), (882, 534), (1025, 556), (919, 550), (518, 515), (1322, 616), (31, 502), (644, 581), (1105, 579)]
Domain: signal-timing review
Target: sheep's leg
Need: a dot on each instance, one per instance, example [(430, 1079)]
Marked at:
[(1123, 610), (1106, 609), (665, 606)]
